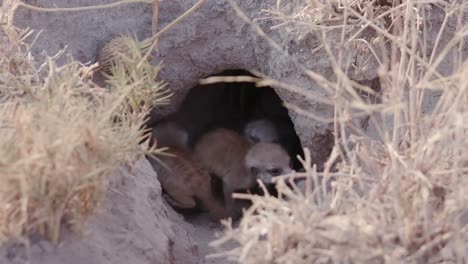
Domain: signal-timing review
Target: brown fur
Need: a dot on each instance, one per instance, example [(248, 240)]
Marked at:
[(223, 152), (183, 176), (239, 164)]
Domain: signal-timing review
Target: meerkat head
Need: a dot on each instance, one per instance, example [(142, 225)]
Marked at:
[(266, 160), (261, 130), (170, 134)]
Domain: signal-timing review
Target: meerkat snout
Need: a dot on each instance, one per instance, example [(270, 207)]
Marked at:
[(266, 160)]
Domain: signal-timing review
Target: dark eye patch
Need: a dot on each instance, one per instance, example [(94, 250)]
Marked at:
[(275, 171), (254, 170), (253, 139)]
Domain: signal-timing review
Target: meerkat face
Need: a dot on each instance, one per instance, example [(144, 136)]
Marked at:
[(170, 134), (261, 130), (266, 160)]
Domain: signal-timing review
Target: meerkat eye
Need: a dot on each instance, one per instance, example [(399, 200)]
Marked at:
[(252, 139), (254, 170), (275, 171)]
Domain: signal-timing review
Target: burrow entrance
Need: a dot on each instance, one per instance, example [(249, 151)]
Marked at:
[(233, 106)]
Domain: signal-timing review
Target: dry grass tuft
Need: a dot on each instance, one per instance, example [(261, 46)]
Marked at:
[(62, 135), (121, 50), (399, 196)]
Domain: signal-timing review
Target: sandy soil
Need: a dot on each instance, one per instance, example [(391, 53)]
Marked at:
[(200, 231), (133, 225)]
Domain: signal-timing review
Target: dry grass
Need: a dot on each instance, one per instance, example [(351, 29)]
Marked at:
[(62, 135), (401, 196)]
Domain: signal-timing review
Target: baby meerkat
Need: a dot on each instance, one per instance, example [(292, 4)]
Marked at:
[(266, 160), (238, 163), (222, 152), (182, 176), (261, 130)]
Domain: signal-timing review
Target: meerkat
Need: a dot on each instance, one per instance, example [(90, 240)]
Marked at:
[(261, 130), (238, 163), (266, 160), (182, 176), (276, 130)]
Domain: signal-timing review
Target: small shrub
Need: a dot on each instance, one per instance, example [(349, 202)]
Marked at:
[(61, 135), (399, 196)]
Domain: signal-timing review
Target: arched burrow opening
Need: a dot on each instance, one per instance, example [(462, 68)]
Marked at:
[(232, 106)]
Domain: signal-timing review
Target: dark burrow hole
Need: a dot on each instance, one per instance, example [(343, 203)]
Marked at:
[(232, 106)]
